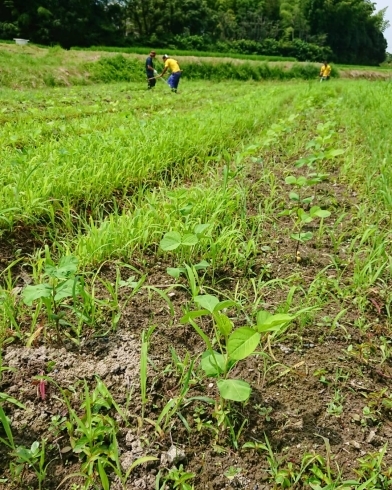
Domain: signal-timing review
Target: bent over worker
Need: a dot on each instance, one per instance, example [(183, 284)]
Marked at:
[(325, 71), (172, 65)]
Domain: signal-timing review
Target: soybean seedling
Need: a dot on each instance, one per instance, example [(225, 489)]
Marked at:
[(300, 211), (62, 283), (232, 346)]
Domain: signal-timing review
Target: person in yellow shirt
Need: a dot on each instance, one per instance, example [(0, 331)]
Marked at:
[(172, 65), (325, 71)]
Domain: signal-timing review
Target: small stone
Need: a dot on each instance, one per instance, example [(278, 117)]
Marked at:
[(371, 436), (174, 456), (356, 444)]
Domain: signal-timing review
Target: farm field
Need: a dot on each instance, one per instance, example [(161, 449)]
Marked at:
[(195, 289)]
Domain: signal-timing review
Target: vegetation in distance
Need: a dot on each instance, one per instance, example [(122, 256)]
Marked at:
[(304, 29)]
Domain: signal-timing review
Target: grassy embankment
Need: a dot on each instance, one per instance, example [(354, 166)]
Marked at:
[(34, 67)]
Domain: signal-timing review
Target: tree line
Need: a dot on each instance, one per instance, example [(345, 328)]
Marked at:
[(345, 31)]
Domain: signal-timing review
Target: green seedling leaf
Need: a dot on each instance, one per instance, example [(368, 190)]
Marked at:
[(334, 153), (201, 265), (191, 315), (66, 267), (67, 289), (227, 303), (290, 179), (272, 322), (304, 217), (234, 389), (319, 213), (294, 196), (207, 301), (175, 271), (170, 241), (262, 317), (189, 240), (301, 162), (201, 228), (301, 181), (128, 283), (32, 293), (213, 363), (302, 237), (242, 343), (224, 324), (186, 210), (307, 200)]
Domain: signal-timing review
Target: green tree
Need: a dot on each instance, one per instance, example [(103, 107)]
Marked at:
[(352, 30)]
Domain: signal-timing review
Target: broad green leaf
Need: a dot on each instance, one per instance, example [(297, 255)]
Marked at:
[(224, 324), (213, 363), (334, 153), (307, 200), (201, 265), (303, 216), (67, 289), (234, 389), (32, 293), (242, 343), (201, 228), (227, 303), (175, 271), (320, 213), (294, 196), (302, 237), (207, 301), (191, 315), (262, 316), (189, 240), (66, 267), (274, 322), (290, 179), (170, 241), (301, 181)]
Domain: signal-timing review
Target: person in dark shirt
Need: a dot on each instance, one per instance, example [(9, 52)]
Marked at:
[(150, 72)]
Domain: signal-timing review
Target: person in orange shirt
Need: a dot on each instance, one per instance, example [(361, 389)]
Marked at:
[(325, 71), (172, 65)]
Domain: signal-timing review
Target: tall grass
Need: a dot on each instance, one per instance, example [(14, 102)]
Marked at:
[(52, 166)]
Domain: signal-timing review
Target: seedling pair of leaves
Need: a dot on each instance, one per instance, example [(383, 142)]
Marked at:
[(303, 216), (173, 240), (62, 284), (238, 344)]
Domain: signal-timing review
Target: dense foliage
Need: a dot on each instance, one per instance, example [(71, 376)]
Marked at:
[(347, 31)]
